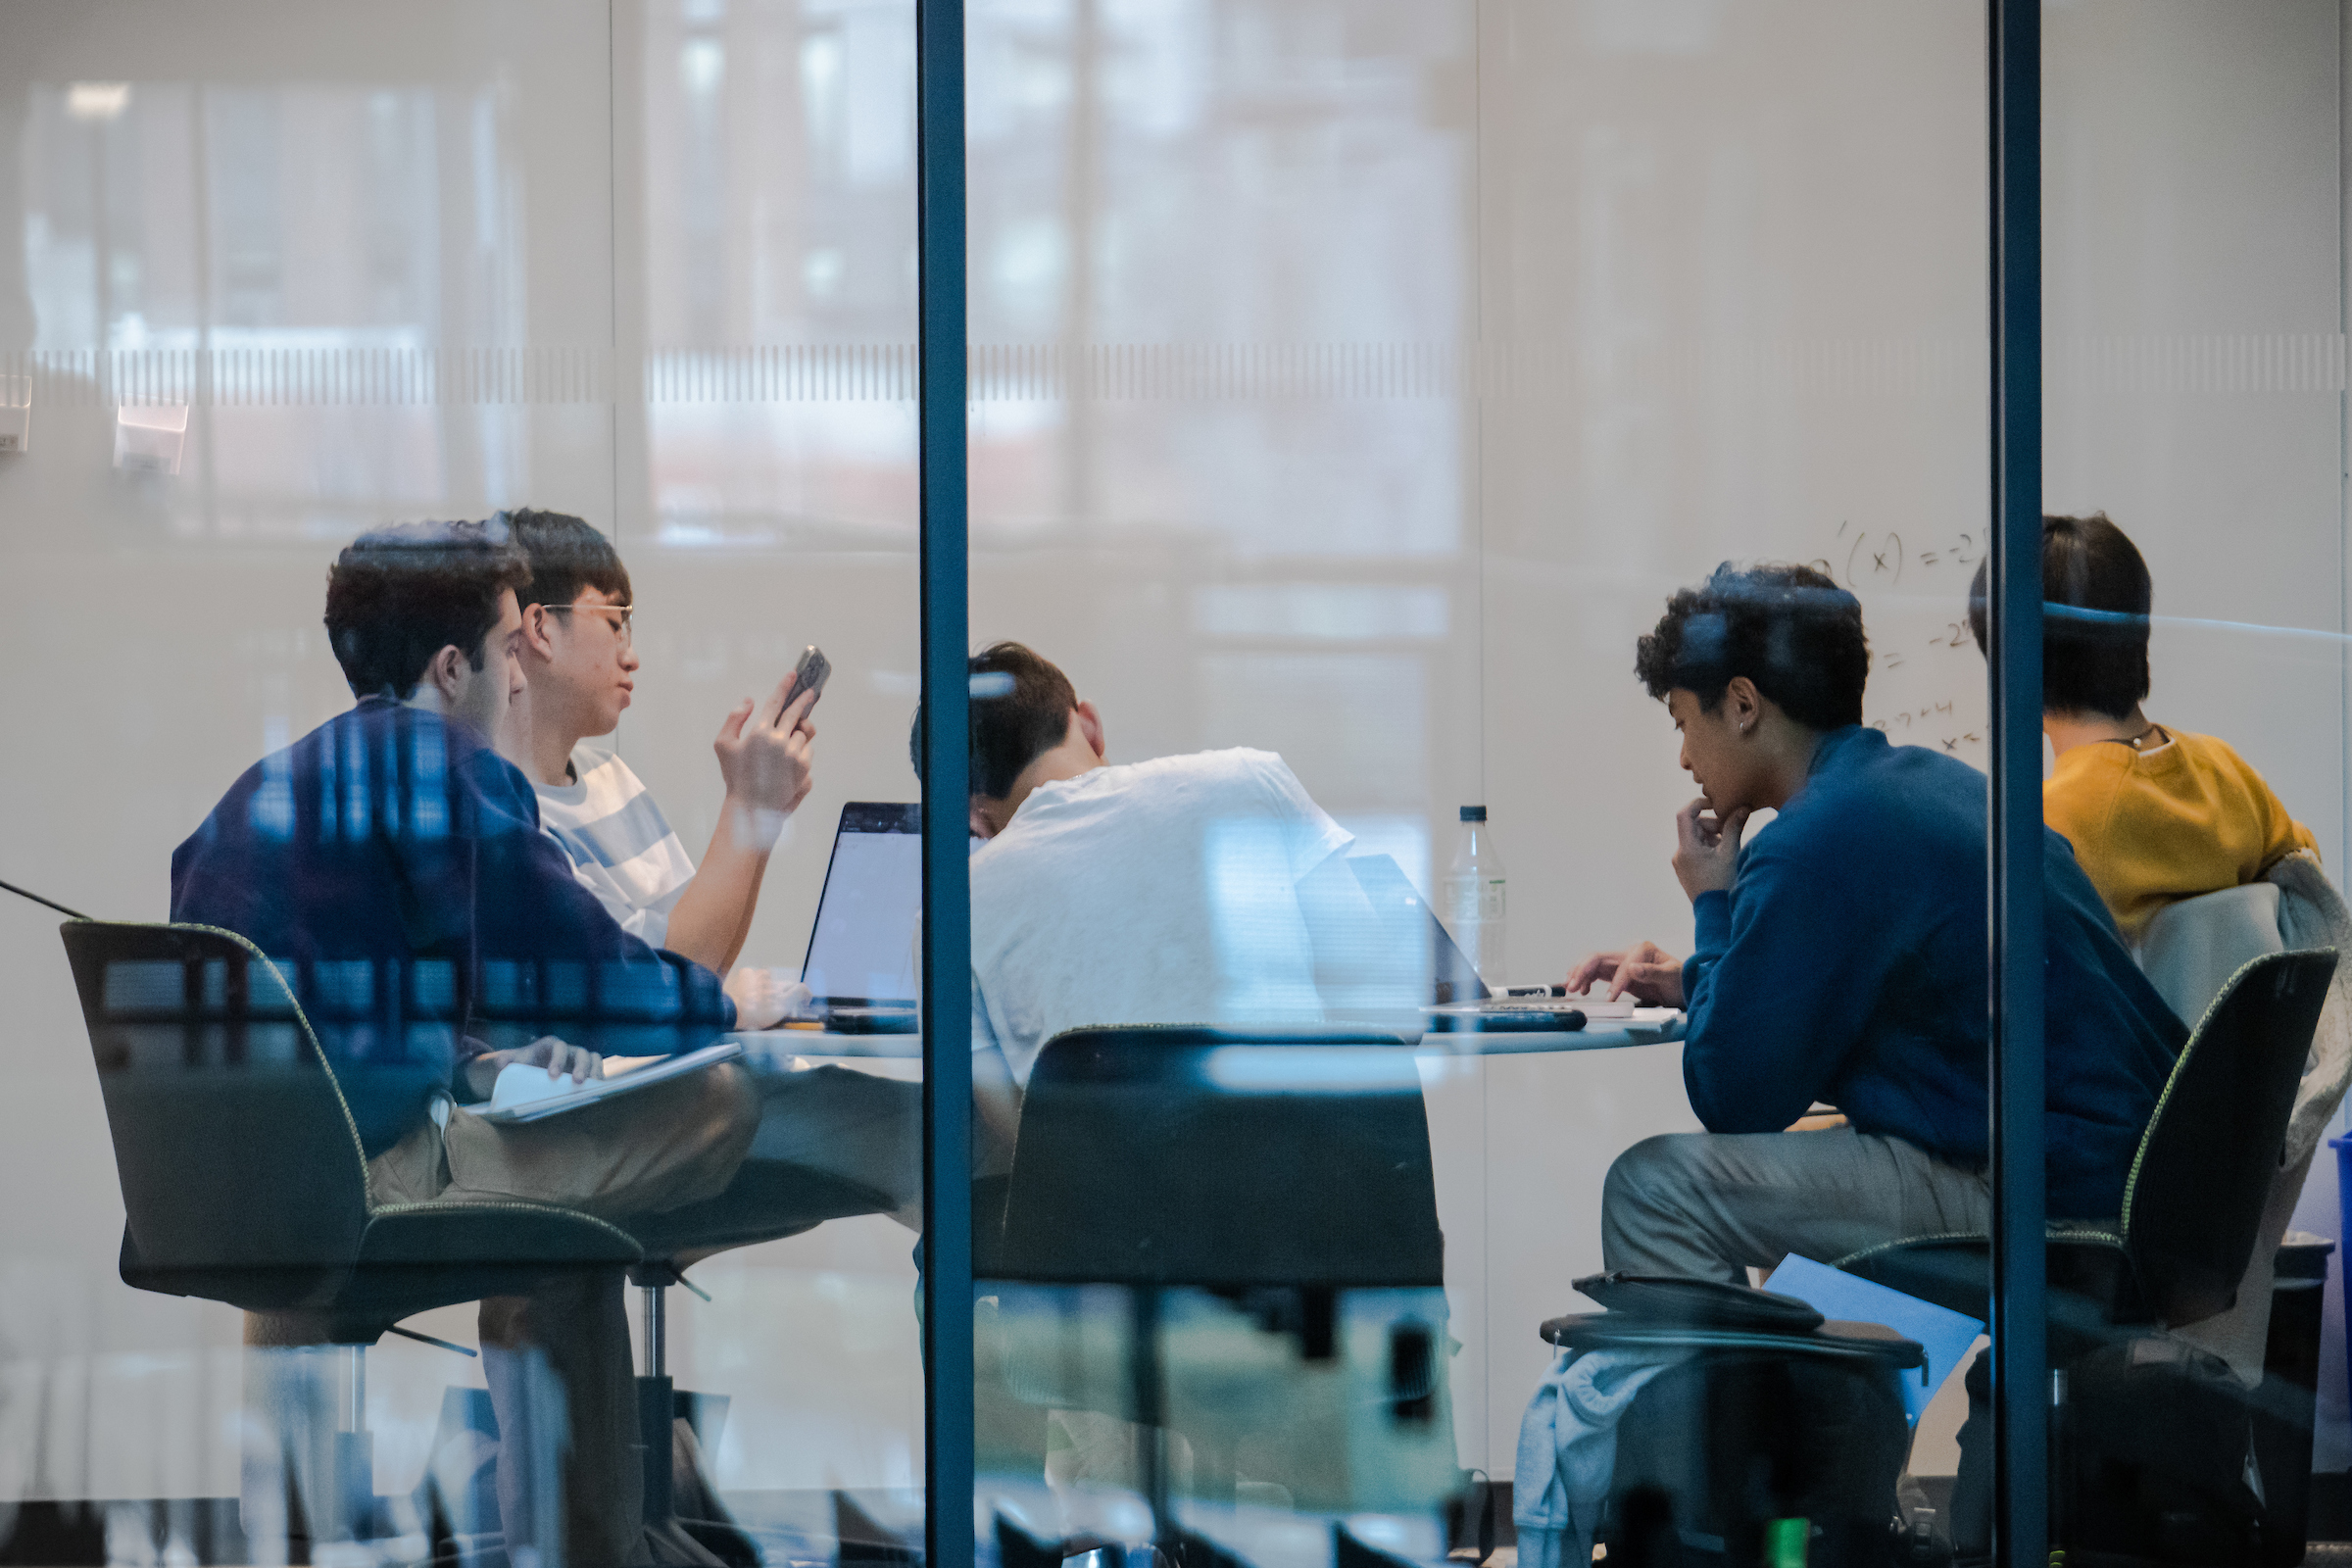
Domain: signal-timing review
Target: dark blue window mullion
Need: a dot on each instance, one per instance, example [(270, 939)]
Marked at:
[(2022, 1492), (947, 964)]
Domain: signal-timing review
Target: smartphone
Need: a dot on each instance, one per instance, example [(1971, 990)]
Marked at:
[(808, 675)]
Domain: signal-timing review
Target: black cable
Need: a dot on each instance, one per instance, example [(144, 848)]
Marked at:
[(22, 892)]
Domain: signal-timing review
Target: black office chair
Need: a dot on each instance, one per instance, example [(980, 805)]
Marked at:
[(1268, 1163), (2192, 1205), (242, 1174), (2198, 1183), (1759, 1410)]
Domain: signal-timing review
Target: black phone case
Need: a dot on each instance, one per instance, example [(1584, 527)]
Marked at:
[(814, 660)]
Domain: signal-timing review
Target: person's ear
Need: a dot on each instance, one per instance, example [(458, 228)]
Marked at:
[(535, 637), (981, 826), (1743, 703), (1090, 728), (446, 671)]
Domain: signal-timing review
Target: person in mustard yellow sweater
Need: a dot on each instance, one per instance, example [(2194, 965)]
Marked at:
[(2155, 814)]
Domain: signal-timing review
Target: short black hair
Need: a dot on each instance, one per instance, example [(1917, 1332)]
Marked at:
[(2096, 661), (397, 596), (1790, 629), (1021, 705), (566, 555)]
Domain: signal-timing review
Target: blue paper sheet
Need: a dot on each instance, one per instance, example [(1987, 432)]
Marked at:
[(1945, 1335)]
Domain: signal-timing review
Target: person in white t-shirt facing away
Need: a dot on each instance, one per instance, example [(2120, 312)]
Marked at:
[(580, 660), (1197, 889)]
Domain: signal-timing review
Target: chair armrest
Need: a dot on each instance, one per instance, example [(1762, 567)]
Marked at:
[(2093, 1290)]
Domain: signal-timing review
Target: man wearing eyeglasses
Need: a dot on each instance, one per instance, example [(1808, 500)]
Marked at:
[(580, 660)]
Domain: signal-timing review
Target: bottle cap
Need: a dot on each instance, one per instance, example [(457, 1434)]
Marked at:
[(1474, 814)]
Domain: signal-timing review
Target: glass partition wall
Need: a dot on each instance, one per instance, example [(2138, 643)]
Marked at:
[(1527, 320), (1349, 388), (2193, 422), (278, 276), (1354, 384)]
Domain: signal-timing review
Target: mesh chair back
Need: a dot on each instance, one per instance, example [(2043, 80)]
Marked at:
[(232, 1142), (1221, 1157), (2194, 1199)]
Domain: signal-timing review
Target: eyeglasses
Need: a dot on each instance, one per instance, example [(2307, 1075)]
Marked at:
[(626, 612)]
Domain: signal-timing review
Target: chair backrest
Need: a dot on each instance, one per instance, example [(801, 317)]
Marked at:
[(233, 1141), (1225, 1156), (2191, 949), (2312, 915), (2195, 1197)]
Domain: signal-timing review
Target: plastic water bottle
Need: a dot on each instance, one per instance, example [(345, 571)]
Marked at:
[(1474, 897)]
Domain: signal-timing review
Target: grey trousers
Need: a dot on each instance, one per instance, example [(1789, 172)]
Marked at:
[(1713, 1204), (571, 1475)]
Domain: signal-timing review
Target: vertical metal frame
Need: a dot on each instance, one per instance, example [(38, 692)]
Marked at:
[(947, 961), (2020, 1200)]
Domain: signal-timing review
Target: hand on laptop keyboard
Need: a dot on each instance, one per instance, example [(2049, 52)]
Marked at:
[(766, 998)]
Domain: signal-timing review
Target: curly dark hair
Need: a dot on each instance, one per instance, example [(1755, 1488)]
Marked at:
[(397, 596), (1790, 629)]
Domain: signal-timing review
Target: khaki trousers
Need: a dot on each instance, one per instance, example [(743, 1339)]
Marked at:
[(558, 1360)]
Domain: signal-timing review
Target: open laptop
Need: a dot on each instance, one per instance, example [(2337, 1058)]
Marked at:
[(1455, 998), (860, 968)]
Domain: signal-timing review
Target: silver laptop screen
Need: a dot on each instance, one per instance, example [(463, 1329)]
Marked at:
[(863, 947)]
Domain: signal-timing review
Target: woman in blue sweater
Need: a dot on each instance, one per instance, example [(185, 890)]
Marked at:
[(1842, 957)]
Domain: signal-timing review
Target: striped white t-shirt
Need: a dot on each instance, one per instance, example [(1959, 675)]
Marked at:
[(621, 847)]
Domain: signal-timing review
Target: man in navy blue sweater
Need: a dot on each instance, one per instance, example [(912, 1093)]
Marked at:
[(390, 863), (1842, 957)]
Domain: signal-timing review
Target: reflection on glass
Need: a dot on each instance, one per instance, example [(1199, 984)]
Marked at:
[(273, 255), (1351, 384), (2191, 654), (2209, 1321), (354, 277), (441, 938)]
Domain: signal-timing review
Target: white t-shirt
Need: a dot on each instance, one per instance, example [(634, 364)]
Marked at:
[(1159, 892), (620, 847)]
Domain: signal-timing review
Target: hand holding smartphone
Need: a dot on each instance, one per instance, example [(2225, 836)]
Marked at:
[(808, 675)]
